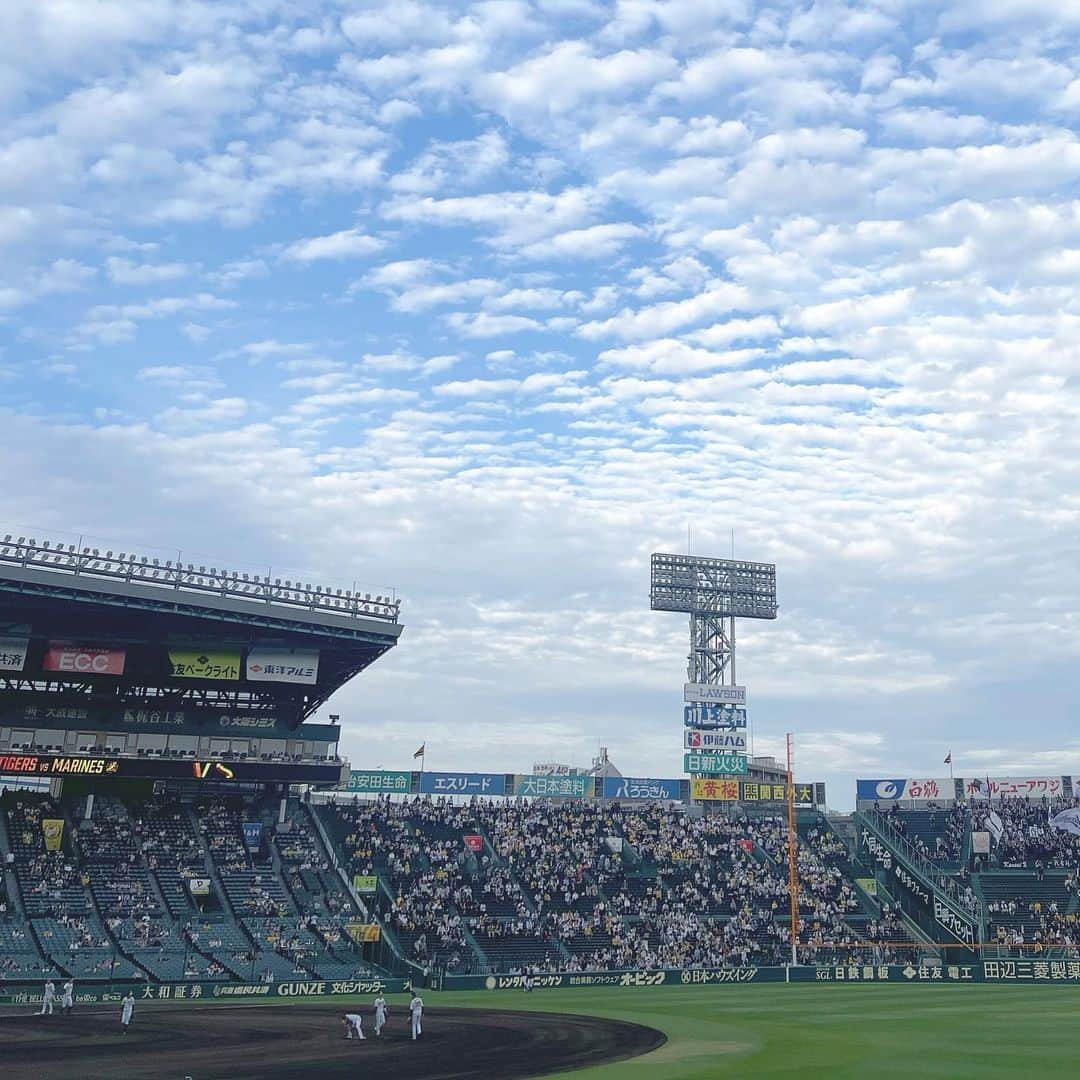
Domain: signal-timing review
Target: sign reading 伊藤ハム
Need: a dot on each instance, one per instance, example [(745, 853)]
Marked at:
[(715, 741)]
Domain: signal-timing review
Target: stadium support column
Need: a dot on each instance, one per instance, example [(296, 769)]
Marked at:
[(793, 853)]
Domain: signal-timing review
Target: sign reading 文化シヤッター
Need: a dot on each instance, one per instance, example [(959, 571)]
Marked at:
[(716, 764), (380, 780)]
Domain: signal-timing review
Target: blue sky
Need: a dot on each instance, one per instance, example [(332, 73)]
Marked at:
[(486, 302)]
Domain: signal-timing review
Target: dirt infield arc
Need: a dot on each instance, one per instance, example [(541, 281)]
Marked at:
[(268, 1043)]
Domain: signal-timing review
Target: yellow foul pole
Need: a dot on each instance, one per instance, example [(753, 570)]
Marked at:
[(793, 852)]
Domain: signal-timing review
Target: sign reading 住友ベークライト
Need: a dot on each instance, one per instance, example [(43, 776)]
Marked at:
[(716, 764), (215, 664)]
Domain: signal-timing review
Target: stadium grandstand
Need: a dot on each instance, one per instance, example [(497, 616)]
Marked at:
[(172, 815)]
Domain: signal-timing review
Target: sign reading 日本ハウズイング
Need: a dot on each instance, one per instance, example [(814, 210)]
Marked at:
[(437, 783), (215, 664), (716, 764)]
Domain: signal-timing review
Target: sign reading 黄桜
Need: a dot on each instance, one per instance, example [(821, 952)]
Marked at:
[(714, 717), (68, 658), (564, 787), (283, 665), (703, 789), (633, 787), (440, 783), (216, 664), (716, 764), (932, 790), (13, 653), (380, 780), (731, 742), (717, 695)]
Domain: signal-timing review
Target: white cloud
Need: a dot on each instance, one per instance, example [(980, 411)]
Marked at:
[(346, 244)]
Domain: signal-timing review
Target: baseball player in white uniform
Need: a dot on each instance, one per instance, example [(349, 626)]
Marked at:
[(128, 1008), (380, 1015), (67, 1001), (48, 999), (416, 1011), (353, 1025)]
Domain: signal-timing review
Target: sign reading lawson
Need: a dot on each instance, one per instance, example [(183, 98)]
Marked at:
[(719, 695)]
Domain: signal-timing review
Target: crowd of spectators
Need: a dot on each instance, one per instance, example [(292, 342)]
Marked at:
[(1026, 834)]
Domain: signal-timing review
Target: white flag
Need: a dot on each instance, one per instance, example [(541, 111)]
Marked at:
[(995, 826), (1067, 821)]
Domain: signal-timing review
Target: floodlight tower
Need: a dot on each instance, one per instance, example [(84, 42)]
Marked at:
[(714, 592)]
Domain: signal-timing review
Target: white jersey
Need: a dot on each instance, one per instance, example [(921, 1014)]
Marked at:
[(380, 1006), (129, 1008), (69, 994), (354, 1019), (416, 1007), (50, 991)]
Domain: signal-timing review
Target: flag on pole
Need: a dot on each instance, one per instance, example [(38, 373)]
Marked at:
[(948, 758), (1067, 821), (420, 752)]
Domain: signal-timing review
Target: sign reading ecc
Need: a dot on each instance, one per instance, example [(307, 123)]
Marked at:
[(83, 659)]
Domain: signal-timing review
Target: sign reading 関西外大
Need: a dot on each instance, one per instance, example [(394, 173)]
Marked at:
[(634, 787), (564, 787), (283, 665), (382, 780), (439, 783), (717, 695)]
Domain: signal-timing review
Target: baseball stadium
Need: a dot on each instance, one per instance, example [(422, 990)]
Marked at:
[(196, 884)]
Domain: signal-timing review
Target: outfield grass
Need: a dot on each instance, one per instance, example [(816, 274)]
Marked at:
[(816, 1030)]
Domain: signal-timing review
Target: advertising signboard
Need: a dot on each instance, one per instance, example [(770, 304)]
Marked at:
[(13, 653), (702, 789), (633, 787), (562, 787), (71, 659), (253, 835), (283, 665), (379, 780), (1015, 787), (714, 717), (716, 764), (216, 664), (933, 790), (439, 783), (717, 695), (716, 741)]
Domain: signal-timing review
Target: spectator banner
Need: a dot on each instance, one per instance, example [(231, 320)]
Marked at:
[(718, 695), (1015, 787), (253, 835), (13, 653), (462, 783), (980, 842), (714, 717), (474, 842), (53, 831), (283, 665), (199, 886), (217, 664), (942, 790), (71, 659), (634, 787), (563, 787), (362, 932), (716, 764), (614, 844), (868, 884), (716, 741), (365, 884), (380, 780)]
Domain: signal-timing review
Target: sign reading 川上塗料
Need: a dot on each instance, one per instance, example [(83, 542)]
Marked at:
[(717, 695), (283, 665), (732, 742), (68, 658), (13, 653), (438, 783), (933, 790), (216, 664), (714, 717), (633, 787), (385, 780), (716, 764)]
